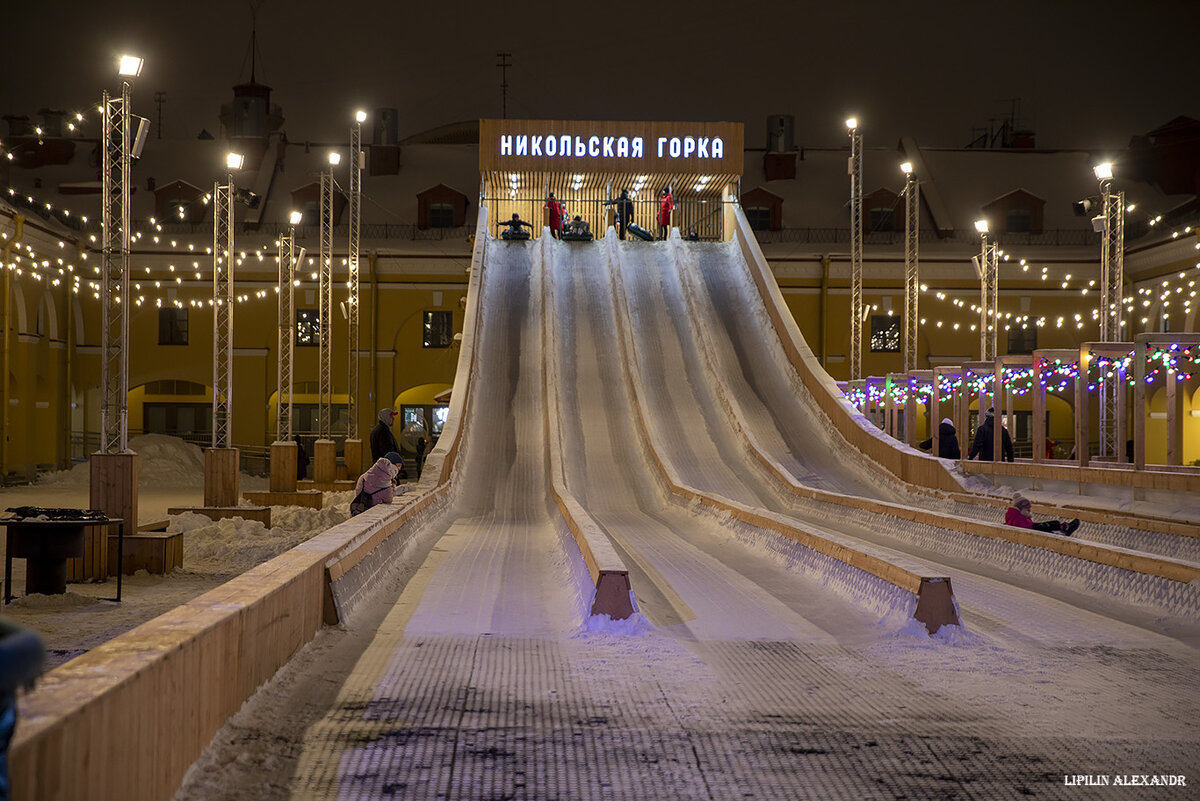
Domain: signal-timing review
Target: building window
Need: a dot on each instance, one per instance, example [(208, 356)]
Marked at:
[(438, 329), (1023, 339), (881, 220), (308, 327), (885, 333), (172, 326), (759, 217), (1018, 221), (440, 215)]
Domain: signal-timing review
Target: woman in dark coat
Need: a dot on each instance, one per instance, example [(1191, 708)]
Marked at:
[(947, 441)]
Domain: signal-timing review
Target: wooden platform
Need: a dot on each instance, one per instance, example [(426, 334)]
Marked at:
[(339, 485), (260, 513), (156, 552), (313, 499)]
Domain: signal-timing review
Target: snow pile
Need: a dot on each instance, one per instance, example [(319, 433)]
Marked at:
[(234, 545), (163, 461), (66, 600), (632, 626)]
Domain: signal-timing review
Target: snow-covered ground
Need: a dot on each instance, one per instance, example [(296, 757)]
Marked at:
[(171, 474), (753, 669)]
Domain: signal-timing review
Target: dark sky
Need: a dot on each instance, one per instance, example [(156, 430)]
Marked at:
[(1088, 74)]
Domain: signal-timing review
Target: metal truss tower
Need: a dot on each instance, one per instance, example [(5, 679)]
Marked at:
[(1112, 278), (116, 234), (222, 303), (856, 250), (989, 268), (325, 321), (912, 199), (356, 166), (289, 259)]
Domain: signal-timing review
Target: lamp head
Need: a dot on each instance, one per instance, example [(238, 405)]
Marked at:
[(295, 217), (129, 66), (852, 123), (234, 161), (335, 158), (906, 168), (981, 226), (1103, 171), (360, 116)]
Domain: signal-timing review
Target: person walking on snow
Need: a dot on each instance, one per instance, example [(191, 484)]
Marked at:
[(556, 215), (947, 436), (1018, 515), (382, 438), (665, 208), (378, 484), (983, 444)]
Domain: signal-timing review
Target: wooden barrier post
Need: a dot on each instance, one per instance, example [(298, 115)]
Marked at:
[(1174, 419), (916, 379), (324, 461), (221, 477), (1082, 399), (113, 489), (283, 466), (352, 458)]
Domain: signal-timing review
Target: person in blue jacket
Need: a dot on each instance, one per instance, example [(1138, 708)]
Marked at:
[(21, 658)]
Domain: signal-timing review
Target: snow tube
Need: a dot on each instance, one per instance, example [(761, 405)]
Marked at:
[(640, 232)]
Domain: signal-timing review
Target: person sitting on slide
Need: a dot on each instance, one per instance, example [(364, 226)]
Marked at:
[(513, 228), (1018, 515)]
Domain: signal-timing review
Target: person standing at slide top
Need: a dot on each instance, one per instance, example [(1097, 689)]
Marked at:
[(556, 215), (623, 212), (666, 206)]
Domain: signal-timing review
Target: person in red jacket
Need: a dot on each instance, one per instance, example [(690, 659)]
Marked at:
[(556, 215), (664, 212), (1018, 515)]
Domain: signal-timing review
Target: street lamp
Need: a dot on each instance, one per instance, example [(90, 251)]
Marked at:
[(856, 245), (1112, 277), (987, 267), (325, 311), (356, 164), (222, 302), (911, 269), (116, 228)]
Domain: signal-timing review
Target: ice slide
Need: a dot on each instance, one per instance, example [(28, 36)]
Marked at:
[(758, 666)]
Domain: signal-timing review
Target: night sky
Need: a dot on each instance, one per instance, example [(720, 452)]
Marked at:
[(1088, 74)]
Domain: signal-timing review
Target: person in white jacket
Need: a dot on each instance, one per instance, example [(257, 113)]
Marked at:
[(378, 484)]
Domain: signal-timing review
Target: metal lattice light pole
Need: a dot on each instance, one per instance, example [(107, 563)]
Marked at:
[(115, 154), (325, 321), (1112, 277), (912, 199), (988, 269), (289, 260), (856, 247), (222, 302), (356, 165)]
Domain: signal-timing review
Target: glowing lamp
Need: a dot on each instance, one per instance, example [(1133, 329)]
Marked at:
[(906, 168), (295, 217), (981, 226), (234, 161), (129, 66), (852, 123), (335, 158), (1103, 171), (360, 116)]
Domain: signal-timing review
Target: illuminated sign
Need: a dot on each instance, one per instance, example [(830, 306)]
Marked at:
[(615, 147), (609, 147)]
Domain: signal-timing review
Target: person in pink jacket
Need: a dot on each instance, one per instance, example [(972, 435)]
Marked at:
[(378, 484), (1018, 515)]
